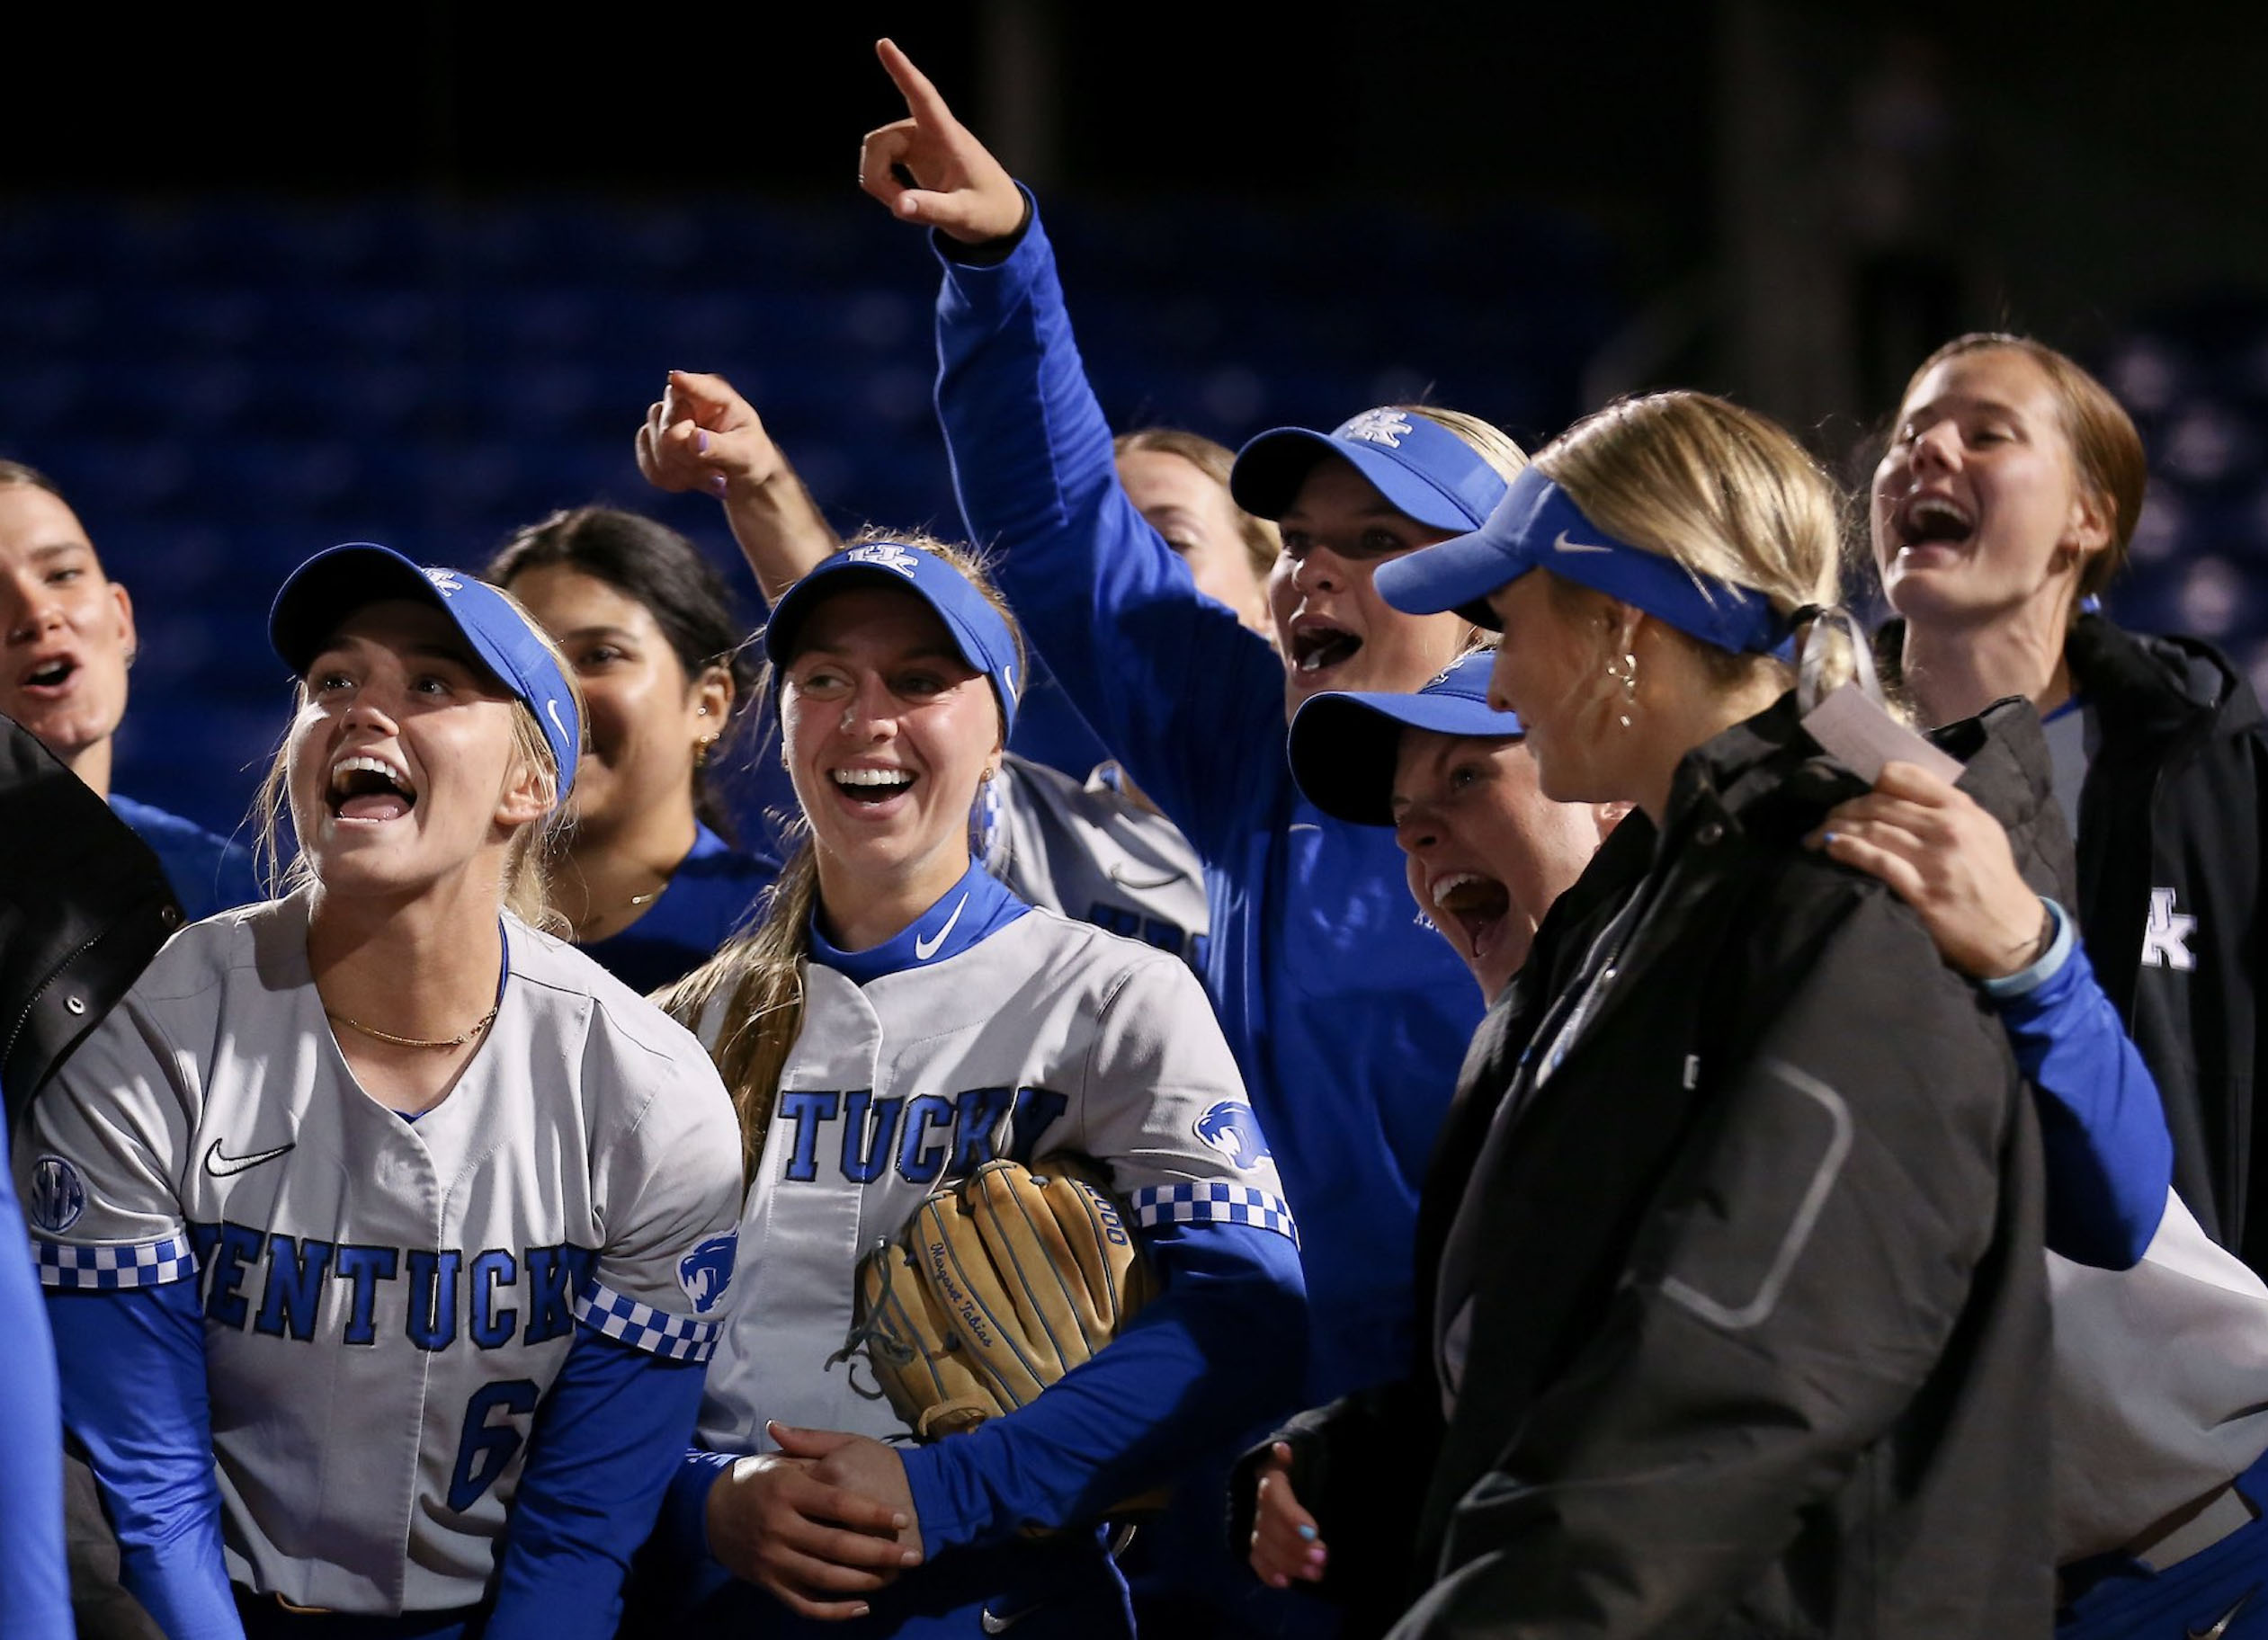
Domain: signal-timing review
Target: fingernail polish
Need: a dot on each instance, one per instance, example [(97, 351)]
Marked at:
[(718, 483), (1827, 837), (1307, 1532), (700, 443)]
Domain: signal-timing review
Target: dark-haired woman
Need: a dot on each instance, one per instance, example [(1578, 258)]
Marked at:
[(647, 873)]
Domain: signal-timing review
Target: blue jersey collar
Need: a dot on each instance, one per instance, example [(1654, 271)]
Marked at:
[(975, 907)]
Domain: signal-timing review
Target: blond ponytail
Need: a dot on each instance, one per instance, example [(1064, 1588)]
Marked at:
[(758, 979)]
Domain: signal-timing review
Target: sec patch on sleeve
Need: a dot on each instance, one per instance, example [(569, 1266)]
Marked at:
[(57, 1194), (707, 1270)]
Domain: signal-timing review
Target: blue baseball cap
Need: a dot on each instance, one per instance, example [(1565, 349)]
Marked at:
[(1538, 525), (979, 632), (1344, 743), (319, 596), (1418, 464)]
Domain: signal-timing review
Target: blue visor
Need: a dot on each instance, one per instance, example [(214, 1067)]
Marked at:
[(1426, 471), (1344, 744), (319, 596), (978, 630), (1538, 525)]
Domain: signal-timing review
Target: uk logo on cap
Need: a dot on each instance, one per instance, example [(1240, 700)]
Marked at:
[(1387, 427), (445, 581), (884, 555)]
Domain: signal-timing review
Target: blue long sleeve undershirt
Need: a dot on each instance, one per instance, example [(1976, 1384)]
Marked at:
[(1348, 1017), (602, 1452), (1221, 1346), (603, 1447), (2108, 1154), (35, 1598), (152, 1448)]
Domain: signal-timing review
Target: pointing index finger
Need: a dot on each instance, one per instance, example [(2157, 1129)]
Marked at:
[(922, 98)]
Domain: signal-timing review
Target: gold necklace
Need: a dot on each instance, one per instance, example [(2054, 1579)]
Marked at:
[(636, 902), (478, 1026)]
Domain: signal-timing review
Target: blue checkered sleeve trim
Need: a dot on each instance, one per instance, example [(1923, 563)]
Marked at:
[(643, 1327), (1213, 1203), (108, 1269)]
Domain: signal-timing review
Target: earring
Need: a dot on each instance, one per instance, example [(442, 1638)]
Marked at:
[(702, 748), (1626, 676), (985, 830)]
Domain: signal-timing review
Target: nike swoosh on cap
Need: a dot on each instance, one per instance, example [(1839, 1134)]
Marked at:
[(923, 950), (1561, 544), (223, 1167)]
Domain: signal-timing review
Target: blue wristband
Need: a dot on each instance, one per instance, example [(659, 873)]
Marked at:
[(2049, 964)]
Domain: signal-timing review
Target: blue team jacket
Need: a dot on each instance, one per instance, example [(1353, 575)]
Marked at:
[(1348, 1016)]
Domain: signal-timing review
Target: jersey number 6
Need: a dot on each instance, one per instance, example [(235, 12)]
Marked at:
[(486, 1449)]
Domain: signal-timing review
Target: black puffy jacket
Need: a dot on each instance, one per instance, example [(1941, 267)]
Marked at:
[(2171, 900), (1759, 1334)]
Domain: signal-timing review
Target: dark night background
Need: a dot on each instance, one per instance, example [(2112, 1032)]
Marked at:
[(273, 279)]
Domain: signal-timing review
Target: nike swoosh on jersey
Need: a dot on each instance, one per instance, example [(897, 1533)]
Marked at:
[(2218, 1629), (923, 950), (223, 1167), (1561, 544)]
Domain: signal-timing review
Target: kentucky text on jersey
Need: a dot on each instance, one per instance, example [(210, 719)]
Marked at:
[(280, 1286), (928, 1137)]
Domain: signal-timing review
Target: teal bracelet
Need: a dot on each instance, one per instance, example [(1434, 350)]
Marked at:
[(2050, 963)]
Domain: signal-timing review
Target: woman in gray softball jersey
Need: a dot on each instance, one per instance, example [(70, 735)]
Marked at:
[(900, 1018), (383, 1233)]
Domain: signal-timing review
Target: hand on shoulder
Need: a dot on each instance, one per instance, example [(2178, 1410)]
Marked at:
[(1943, 855)]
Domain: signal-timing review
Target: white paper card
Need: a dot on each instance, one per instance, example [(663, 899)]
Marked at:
[(1858, 734)]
